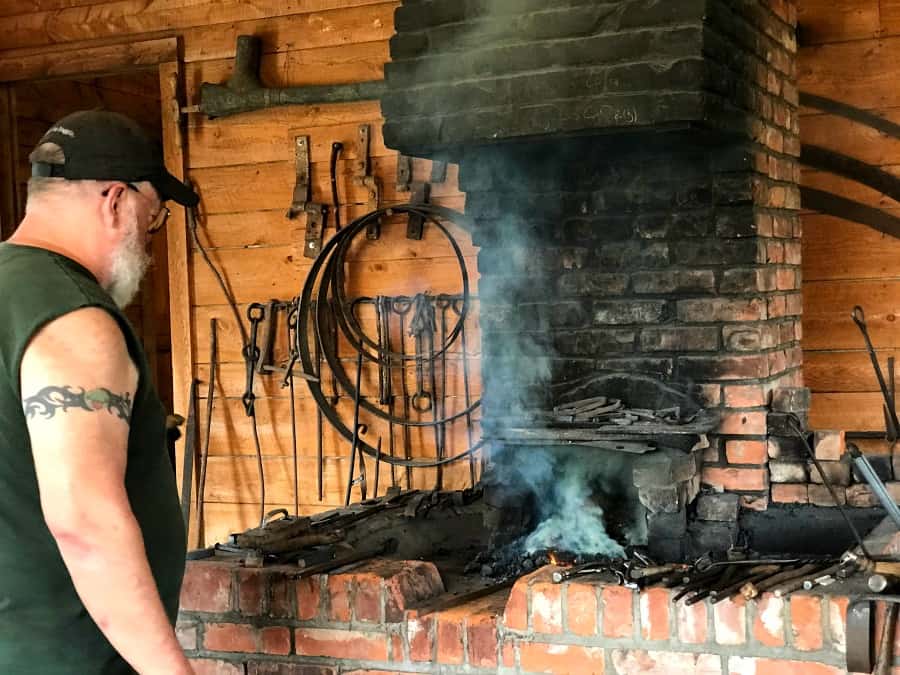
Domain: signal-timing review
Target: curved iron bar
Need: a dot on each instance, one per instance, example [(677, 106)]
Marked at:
[(313, 314), (818, 157), (848, 209), (851, 113)]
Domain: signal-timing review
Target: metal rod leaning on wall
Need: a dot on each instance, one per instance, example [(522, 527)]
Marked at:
[(245, 92), (466, 391), (356, 430), (207, 431)]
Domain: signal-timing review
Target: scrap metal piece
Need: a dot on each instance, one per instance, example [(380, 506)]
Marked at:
[(245, 92)]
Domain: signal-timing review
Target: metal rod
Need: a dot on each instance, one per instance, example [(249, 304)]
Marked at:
[(386, 318), (878, 487), (377, 467), (795, 424), (190, 441), (407, 447), (336, 149), (294, 446), (320, 455), (207, 432), (352, 470), (859, 318), (436, 412), (466, 392)]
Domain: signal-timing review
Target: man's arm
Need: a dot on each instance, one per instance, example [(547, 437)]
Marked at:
[(78, 383)]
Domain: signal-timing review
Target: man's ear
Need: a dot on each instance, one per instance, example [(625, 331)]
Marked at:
[(111, 206)]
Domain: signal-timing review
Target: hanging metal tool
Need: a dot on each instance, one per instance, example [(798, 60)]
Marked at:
[(207, 433), (289, 378), (893, 430), (316, 214), (320, 456), (255, 314), (351, 477), (336, 148), (364, 177)]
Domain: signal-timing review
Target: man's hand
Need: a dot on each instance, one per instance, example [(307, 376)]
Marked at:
[(78, 384)]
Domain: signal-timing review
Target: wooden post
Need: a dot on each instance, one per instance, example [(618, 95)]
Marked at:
[(178, 242), (9, 146)]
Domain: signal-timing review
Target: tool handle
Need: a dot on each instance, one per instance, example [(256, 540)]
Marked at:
[(862, 463)]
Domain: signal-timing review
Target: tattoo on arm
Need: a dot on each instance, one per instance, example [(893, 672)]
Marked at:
[(50, 399)]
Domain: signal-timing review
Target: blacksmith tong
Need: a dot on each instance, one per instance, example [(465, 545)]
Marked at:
[(890, 408)]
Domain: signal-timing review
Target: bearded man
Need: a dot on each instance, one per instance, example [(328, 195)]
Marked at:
[(92, 542)]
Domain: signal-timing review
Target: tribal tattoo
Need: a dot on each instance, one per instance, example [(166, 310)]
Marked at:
[(50, 399)]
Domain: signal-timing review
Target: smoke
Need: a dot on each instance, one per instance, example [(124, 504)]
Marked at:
[(572, 521), (568, 486)]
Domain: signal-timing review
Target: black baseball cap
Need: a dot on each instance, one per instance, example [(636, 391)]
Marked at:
[(103, 145)]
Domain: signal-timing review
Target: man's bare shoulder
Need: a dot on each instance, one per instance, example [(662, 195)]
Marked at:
[(81, 351), (84, 332)]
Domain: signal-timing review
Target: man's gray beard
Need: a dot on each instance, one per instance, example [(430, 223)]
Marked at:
[(128, 266)]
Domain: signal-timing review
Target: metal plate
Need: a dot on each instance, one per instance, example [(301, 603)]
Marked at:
[(860, 624)]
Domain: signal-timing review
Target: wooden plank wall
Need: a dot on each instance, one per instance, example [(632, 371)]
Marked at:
[(243, 168), (850, 52)]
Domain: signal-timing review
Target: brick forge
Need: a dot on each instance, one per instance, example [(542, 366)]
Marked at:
[(631, 169), (238, 621)]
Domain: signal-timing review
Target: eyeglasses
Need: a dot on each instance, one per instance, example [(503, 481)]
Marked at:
[(158, 221)]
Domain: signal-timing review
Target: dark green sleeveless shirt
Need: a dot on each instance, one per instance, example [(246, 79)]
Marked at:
[(44, 628)]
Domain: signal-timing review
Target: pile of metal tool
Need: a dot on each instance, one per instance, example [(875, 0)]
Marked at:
[(341, 536), (736, 575), (603, 410)]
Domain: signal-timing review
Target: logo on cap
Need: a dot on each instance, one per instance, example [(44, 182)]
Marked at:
[(61, 130)]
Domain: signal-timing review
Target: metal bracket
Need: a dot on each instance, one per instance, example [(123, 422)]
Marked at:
[(404, 173), (316, 217), (365, 178), (301, 185), (438, 171), (416, 224), (264, 362)]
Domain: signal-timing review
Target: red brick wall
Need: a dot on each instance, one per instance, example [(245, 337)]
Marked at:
[(237, 621)]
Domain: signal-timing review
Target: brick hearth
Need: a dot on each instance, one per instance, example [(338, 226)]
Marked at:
[(238, 621)]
